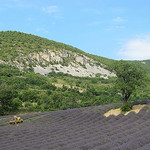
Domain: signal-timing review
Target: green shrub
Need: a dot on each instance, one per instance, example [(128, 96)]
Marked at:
[(98, 75), (44, 107), (1, 111), (31, 108), (126, 107), (28, 104), (16, 103), (94, 80), (28, 95)]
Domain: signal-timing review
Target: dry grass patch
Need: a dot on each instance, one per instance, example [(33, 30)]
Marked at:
[(116, 112)]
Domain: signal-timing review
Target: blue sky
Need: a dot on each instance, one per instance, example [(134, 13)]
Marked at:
[(116, 29)]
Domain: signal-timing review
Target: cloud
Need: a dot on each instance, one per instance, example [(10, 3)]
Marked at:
[(118, 20), (116, 24), (115, 28), (136, 49), (7, 4), (41, 30), (50, 9)]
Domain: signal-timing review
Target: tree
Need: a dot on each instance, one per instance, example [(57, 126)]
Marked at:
[(16, 103), (28, 95), (7, 94), (129, 77)]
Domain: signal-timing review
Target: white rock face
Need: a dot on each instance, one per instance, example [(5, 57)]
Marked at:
[(50, 57), (63, 61), (81, 60), (45, 56), (75, 70), (43, 71)]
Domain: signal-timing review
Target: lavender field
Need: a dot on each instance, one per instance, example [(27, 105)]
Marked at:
[(78, 129)]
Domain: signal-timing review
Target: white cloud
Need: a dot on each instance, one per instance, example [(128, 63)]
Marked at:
[(118, 20), (115, 28), (50, 9), (42, 30), (116, 24), (136, 49), (17, 4)]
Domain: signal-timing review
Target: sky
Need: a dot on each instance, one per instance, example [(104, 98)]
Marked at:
[(116, 29)]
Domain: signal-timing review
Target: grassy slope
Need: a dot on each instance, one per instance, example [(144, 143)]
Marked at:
[(41, 90), (95, 91), (12, 42), (145, 64)]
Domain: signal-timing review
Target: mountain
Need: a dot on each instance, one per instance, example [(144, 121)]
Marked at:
[(30, 52), (72, 77), (145, 64)]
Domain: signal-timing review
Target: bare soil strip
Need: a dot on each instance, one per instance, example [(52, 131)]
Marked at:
[(116, 112)]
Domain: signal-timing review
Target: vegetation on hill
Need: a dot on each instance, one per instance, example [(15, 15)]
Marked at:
[(57, 91), (145, 64), (27, 91), (129, 77), (35, 92), (12, 43)]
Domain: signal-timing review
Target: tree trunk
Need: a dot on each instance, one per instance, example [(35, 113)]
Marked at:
[(124, 100)]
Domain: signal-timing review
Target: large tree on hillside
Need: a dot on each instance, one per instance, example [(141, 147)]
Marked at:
[(129, 77)]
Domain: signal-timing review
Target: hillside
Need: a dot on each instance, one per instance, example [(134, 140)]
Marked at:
[(56, 91), (30, 52), (78, 129), (73, 78), (145, 64)]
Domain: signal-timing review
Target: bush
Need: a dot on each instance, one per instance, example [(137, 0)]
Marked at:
[(28, 95), (48, 86), (44, 107), (16, 103), (94, 80), (7, 94), (1, 111), (126, 107), (28, 104)]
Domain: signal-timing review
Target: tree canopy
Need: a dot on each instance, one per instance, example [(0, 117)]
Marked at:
[(129, 77)]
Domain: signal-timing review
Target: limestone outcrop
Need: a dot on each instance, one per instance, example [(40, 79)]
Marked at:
[(64, 61), (68, 62), (81, 60)]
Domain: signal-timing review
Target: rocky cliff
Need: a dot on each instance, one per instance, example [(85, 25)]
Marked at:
[(67, 62), (29, 52)]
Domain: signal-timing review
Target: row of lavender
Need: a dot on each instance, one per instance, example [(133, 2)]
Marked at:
[(82, 128)]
